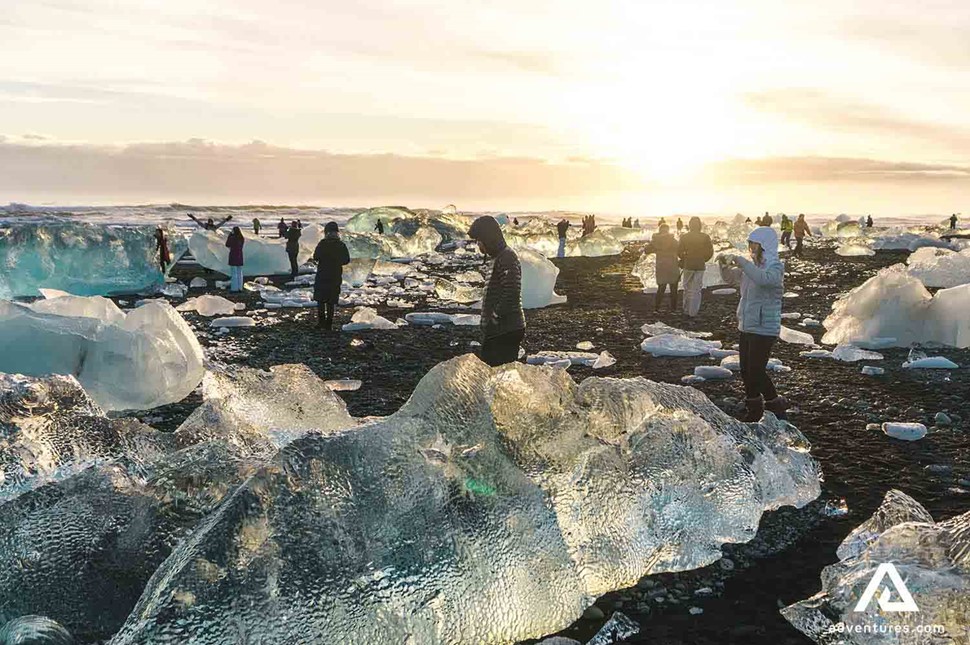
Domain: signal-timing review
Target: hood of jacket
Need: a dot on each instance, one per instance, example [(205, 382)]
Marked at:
[(768, 239), (486, 230)]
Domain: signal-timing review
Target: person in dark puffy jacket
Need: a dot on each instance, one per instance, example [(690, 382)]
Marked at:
[(235, 243), (503, 321), (331, 255), (695, 250), (293, 234)]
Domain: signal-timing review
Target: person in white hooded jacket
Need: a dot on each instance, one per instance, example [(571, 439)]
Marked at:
[(762, 282)]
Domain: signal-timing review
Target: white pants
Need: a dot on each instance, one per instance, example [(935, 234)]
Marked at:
[(693, 291), (235, 279)]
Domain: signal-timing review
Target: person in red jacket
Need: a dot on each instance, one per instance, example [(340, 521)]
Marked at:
[(235, 243)]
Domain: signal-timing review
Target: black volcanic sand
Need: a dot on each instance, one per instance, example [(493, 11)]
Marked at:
[(740, 595)]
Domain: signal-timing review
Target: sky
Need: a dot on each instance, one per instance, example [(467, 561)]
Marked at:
[(636, 107)]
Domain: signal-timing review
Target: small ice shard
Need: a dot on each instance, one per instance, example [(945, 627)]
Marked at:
[(731, 362), (854, 250), (690, 379), (721, 354), (930, 363), (616, 630), (367, 318), (466, 320), (432, 318), (584, 346), (135, 361), (660, 329), (676, 345), (448, 290), (208, 305), (898, 573), (712, 372), (775, 365), (233, 321), (575, 358), (790, 315), (198, 283), (605, 359), (904, 431), (835, 508), (795, 337), (790, 294), (850, 353), (816, 353), (730, 291), (810, 322), (869, 370)]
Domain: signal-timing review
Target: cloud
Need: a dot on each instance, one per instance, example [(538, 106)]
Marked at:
[(834, 169), (940, 43), (825, 110), (199, 169)]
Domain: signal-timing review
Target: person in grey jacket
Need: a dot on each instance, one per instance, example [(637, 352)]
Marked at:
[(503, 321), (762, 281)]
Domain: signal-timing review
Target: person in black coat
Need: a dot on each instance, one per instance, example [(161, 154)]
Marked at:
[(331, 255), (293, 234)]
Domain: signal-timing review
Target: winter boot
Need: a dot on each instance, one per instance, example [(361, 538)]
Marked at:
[(778, 406), (754, 409)]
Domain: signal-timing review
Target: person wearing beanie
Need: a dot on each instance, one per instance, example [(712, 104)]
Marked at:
[(503, 321), (331, 255)]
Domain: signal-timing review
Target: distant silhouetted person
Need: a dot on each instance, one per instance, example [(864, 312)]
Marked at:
[(787, 228), (161, 245), (636, 224), (665, 247), (235, 243), (256, 226), (379, 227), (695, 250), (680, 226), (515, 221), (801, 230), (762, 283), (503, 322), (869, 221), (562, 228), (953, 222), (747, 220), (663, 222), (293, 234), (209, 224), (766, 220), (331, 255), (281, 228)]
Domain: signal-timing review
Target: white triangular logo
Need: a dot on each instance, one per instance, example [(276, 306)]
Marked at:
[(906, 602)]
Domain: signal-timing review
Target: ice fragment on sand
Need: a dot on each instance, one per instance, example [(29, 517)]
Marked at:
[(675, 345), (567, 481), (233, 321), (929, 561), (343, 385), (584, 346), (208, 305), (605, 359), (904, 431), (854, 250), (139, 360), (730, 291), (538, 280), (869, 370), (198, 283), (795, 337), (367, 318), (711, 372), (849, 354), (659, 328)]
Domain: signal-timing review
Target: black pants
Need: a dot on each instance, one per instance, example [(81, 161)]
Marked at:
[(502, 349), (755, 351), (294, 268), (786, 239), (661, 288), (325, 315), (798, 247)]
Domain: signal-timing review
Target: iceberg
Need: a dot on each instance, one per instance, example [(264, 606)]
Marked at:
[(493, 507), (261, 255), (538, 280), (135, 361), (80, 258), (899, 547), (645, 269), (895, 305), (936, 267)]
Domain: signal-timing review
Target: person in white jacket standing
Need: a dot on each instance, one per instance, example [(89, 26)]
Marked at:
[(762, 281)]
